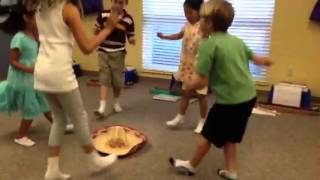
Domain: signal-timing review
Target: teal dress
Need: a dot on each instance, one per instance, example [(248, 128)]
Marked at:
[(17, 92)]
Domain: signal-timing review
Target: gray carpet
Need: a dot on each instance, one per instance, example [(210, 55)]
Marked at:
[(275, 148)]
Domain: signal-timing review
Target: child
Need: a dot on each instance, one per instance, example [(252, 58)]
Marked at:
[(112, 54), (17, 93), (223, 61), (59, 24), (191, 37)]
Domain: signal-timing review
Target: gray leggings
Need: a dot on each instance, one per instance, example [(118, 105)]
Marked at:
[(63, 105)]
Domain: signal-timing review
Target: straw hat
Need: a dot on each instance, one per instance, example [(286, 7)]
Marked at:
[(119, 140)]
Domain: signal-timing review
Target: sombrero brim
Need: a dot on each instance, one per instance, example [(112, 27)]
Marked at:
[(135, 140)]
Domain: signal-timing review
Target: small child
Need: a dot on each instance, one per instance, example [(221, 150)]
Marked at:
[(112, 54), (191, 36), (223, 61), (17, 93)]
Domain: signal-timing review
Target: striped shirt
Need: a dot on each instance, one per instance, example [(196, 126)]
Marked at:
[(116, 41)]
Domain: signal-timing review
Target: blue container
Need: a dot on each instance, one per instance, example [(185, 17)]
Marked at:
[(306, 98)]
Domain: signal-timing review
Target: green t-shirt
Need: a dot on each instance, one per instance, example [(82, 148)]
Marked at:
[(224, 59)]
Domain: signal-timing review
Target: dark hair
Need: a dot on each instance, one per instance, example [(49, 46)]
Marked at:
[(193, 4), (15, 21)]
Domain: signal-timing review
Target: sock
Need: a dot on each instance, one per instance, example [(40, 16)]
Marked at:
[(53, 170), (228, 174), (180, 116), (102, 107), (186, 164), (100, 162), (116, 100)]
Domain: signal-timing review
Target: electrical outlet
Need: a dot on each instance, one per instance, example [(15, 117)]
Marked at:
[(290, 73)]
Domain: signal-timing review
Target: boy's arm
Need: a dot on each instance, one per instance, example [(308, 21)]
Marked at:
[(176, 36), (197, 81), (257, 60), (130, 33), (261, 60)]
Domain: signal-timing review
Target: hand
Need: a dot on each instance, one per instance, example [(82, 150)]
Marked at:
[(268, 62), (114, 16), (132, 40), (160, 35), (31, 70)]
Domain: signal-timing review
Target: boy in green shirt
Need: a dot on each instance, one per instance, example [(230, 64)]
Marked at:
[(223, 61)]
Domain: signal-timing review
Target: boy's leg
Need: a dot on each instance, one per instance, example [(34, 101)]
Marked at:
[(117, 64), (105, 81), (189, 166), (230, 152), (230, 171), (202, 149)]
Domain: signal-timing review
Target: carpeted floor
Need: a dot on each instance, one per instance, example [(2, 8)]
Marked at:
[(286, 147)]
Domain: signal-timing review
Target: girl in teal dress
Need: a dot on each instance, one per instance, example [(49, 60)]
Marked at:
[(17, 92)]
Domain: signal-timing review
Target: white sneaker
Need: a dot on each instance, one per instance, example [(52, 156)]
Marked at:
[(69, 128), (117, 108), (179, 119), (56, 175), (199, 126), (182, 166), (24, 141), (100, 163)]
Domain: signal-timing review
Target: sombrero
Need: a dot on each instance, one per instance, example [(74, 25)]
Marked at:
[(118, 140)]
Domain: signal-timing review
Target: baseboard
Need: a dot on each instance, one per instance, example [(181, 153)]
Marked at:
[(263, 94)]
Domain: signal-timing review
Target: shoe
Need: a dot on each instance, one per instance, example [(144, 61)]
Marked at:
[(179, 119), (100, 163), (199, 127), (225, 174), (117, 108), (24, 141), (69, 128), (57, 176), (182, 166), (98, 114)]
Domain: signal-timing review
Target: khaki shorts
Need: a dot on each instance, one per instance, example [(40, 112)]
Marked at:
[(203, 91), (112, 69)]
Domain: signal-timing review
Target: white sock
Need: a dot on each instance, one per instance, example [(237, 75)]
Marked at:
[(186, 164), (116, 100), (53, 170), (226, 173), (102, 106), (180, 116), (100, 162)]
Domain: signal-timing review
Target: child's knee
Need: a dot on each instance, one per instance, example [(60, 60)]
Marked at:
[(203, 142)]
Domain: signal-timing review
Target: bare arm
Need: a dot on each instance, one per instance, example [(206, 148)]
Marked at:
[(72, 18), (176, 36), (132, 40), (14, 61), (197, 81), (262, 60)]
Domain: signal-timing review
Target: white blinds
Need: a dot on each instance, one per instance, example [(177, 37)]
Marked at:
[(252, 23)]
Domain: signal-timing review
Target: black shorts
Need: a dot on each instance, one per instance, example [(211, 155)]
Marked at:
[(227, 123)]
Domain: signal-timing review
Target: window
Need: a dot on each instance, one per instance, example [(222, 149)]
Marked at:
[(252, 23)]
